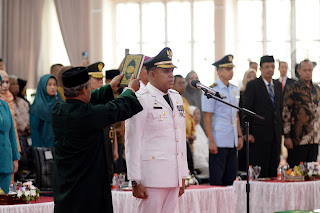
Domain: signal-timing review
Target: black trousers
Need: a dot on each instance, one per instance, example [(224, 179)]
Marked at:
[(223, 166), (266, 155), (190, 158), (302, 153), (119, 164)]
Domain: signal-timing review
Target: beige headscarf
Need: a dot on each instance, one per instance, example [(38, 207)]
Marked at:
[(8, 97)]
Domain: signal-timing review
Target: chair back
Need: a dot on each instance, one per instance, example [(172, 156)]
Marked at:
[(43, 157)]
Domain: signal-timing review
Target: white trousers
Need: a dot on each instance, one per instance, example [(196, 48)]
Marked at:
[(160, 200)]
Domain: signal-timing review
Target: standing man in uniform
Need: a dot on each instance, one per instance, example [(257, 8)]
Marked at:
[(263, 96), (96, 75), (222, 126), (155, 140), (301, 117), (81, 180)]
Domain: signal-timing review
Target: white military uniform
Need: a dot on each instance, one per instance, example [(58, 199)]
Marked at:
[(155, 141)]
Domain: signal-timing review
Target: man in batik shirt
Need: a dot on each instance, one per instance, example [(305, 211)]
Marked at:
[(301, 121)]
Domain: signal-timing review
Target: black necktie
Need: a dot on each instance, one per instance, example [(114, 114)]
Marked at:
[(167, 98)]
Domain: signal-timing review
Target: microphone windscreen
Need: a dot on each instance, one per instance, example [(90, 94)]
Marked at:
[(194, 83)]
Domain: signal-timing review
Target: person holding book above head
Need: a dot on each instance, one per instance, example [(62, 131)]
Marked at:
[(96, 75), (81, 180), (155, 140)]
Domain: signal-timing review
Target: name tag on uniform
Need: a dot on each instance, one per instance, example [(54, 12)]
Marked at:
[(181, 110), (157, 107)]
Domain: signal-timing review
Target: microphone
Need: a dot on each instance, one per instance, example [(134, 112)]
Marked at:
[(206, 89)]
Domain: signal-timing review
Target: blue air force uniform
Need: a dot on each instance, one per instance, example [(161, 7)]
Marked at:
[(223, 165)]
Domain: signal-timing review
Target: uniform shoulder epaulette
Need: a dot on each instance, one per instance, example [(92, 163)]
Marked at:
[(213, 85), (143, 91), (173, 91)]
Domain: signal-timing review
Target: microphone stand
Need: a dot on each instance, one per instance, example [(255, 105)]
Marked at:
[(247, 114)]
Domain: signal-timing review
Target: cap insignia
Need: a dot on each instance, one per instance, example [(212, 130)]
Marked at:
[(169, 53), (230, 58), (100, 66)]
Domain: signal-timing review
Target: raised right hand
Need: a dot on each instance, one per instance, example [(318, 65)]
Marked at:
[(139, 191), (134, 83)]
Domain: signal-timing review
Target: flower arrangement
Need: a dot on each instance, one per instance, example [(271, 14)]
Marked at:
[(28, 192), (190, 180), (313, 169)]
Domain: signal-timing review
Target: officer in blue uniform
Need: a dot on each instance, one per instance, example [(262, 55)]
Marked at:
[(222, 126)]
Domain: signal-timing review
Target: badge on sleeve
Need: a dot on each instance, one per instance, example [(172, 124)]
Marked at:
[(181, 110)]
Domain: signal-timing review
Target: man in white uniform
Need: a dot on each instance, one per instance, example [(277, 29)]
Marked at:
[(155, 140)]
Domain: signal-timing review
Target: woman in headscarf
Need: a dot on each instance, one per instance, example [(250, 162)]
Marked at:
[(40, 112), (200, 146), (7, 96), (192, 94), (9, 155)]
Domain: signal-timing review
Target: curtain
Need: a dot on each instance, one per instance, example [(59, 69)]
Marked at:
[(73, 16), (21, 33)]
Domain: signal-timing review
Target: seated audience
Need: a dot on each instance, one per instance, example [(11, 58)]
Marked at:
[(200, 146), (40, 112)]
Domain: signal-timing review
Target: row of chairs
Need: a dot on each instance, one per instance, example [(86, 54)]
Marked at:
[(36, 165)]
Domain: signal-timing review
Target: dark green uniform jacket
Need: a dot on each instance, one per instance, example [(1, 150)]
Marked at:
[(81, 182)]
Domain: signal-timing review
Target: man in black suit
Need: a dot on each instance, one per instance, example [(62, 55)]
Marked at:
[(284, 80), (263, 96)]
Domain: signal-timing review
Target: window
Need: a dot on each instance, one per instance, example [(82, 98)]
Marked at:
[(186, 27), (287, 38)]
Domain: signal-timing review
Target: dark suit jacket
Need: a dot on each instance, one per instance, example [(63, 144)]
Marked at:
[(288, 83), (257, 99)]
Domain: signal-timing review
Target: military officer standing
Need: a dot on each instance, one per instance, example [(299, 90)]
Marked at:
[(222, 126), (155, 140), (96, 75)]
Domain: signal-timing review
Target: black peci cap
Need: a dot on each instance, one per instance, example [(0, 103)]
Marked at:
[(266, 58), (110, 74), (75, 77)]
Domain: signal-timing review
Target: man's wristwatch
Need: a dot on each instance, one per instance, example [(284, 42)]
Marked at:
[(134, 183)]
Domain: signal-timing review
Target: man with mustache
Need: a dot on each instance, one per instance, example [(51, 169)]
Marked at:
[(263, 96), (155, 140)]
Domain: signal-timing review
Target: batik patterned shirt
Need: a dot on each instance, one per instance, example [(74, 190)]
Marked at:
[(301, 112)]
